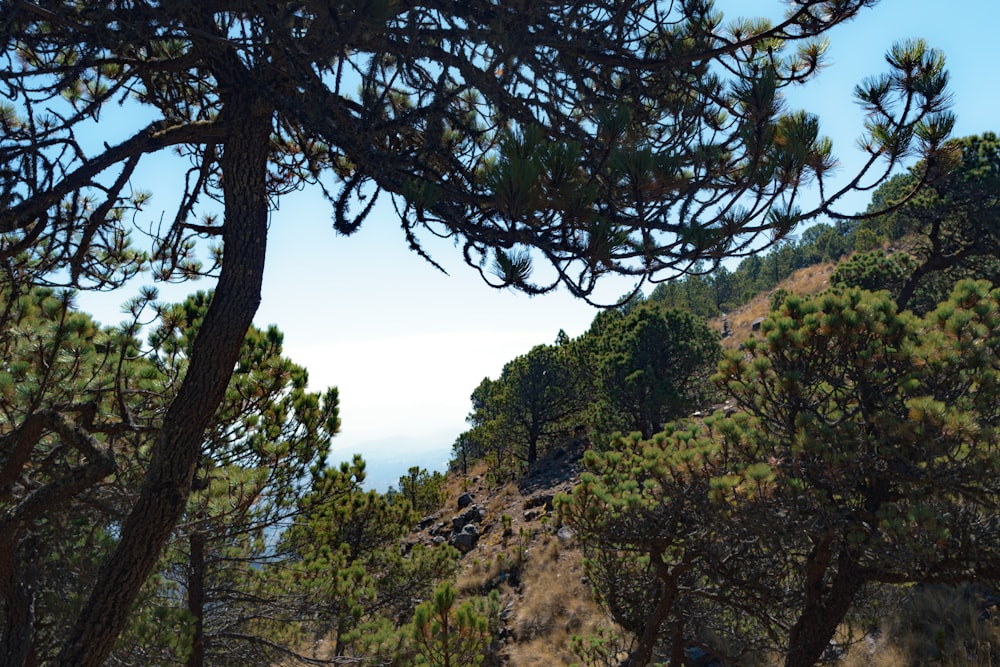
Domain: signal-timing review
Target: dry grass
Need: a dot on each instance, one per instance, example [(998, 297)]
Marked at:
[(554, 604), (481, 576), (934, 625), (810, 280), (455, 484)]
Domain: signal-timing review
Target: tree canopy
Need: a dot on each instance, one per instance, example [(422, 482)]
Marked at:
[(950, 227), (862, 451), (82, 405), (592, 138), (651, 366)]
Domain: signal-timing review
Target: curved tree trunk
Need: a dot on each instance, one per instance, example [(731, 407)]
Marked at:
[(669, 576), (164, 493), (825, 607)]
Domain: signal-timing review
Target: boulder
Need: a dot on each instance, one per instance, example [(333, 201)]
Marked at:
[(466, 540), (472, 515)]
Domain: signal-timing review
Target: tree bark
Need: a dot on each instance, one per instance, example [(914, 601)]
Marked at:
[(669, 576), (825, 607), (196, 597), (17, 631), (165, 490)]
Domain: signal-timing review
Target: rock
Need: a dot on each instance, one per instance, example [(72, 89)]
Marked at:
[(466, 540), (472, 515), (534, 513), (565, 534), (464, 500), (543, 500), (427, 521)]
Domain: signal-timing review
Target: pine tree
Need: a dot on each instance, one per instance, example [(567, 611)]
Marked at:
[(447, 634), (863, 451), (589, 139)]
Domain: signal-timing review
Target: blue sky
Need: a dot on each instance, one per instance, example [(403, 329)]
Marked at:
[(407, 344)]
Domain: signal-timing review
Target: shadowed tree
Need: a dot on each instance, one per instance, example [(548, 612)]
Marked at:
[(76, 406), (951, 228), (534, 404), (651, 366), (669, 556), (879, 431), (864, 452), (264, 447), (591, 138), (70, 482)]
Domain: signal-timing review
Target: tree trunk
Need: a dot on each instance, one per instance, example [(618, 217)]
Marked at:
[(669, 576), (678, 656), (216, 349), (17, 630), (532, 456), (196, 596), (825, 607), (642, 655)]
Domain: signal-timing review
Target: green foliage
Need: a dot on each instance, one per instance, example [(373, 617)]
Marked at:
[(77, 406), (605, 172), (350, 577), (424, 491), (268, 438), (649, 366), (446, 634), (863, 451), (669, 555), (778, 298), (637, 367), (951, 224), (876, 430), (532, 407), (605, 648), (874, 271)]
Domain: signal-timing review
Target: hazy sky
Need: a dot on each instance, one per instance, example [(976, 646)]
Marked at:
[(407, 344)]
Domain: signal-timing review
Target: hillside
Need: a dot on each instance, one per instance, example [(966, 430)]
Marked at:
[(808, 280), (513, 542)]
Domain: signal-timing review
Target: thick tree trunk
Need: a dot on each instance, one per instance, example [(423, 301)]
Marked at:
[(642, 655), (176, 450), (825, 607), (17, 628), (532, 447), (669, 576)]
